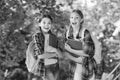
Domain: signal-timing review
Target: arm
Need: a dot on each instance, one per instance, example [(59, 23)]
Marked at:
[(76, 52), (55, 50), (47, 55), (98, 48), (78, 60)]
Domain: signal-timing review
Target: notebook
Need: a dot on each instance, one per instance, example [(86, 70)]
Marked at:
[(77, 45)]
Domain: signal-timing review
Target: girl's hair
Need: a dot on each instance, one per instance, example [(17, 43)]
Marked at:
[(70, 35), (46, 16), (79, 12)]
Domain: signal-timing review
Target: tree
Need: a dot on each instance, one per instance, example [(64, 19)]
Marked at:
[(18, 18)]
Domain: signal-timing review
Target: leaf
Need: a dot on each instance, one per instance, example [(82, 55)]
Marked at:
[(9, 64), (2, 55)]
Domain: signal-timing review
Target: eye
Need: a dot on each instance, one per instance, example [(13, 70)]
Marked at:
[(49, 22), (77, 17), (71, 17), (44, 22)]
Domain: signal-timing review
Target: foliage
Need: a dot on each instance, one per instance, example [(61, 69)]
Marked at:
[(18, 20)]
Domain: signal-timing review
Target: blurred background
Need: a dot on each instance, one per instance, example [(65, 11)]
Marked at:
[(19, 20)]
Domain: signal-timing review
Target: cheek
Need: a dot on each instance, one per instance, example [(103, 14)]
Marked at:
[(70, 20), (78, 21), (50, 26), (42, 25)]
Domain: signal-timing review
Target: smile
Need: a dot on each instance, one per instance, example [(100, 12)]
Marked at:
[(74, 23), (46, 28)]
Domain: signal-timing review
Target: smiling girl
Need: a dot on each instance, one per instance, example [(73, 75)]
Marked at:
[(42, 53), (82, 49)]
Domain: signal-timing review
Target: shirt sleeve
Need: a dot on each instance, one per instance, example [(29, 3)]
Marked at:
[(38, 44)]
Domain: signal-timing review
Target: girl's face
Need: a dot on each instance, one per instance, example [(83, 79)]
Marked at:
[(45, 24), (75, 19)]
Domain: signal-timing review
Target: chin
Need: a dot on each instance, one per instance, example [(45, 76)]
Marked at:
[(73, 25), (46, 31)]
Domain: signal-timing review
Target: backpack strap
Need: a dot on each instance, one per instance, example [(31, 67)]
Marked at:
[(83, 33)]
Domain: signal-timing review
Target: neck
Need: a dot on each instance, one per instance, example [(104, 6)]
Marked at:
[(76, 29), (45, 33)]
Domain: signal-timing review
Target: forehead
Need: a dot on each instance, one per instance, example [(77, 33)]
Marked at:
[(74, 14), (45, 19)]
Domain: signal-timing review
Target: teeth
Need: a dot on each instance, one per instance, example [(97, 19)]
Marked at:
[(74, 23), (46, 28)]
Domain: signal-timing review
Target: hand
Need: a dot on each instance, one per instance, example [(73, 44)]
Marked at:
[(41, 57), (47, 55), (51, 49), (67, 47)]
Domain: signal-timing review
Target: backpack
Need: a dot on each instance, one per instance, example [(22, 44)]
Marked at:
[(31, 62)]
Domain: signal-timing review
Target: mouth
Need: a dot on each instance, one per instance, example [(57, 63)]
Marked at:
[(46, 28), (74, 23)]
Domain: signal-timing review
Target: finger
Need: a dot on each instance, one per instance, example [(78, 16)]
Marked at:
[(40, 56), (66, 44)]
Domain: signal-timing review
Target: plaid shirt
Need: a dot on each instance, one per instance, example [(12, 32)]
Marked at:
[(39, 49)]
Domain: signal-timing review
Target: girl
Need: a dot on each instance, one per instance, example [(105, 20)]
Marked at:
[(42, 53), (86, 65)]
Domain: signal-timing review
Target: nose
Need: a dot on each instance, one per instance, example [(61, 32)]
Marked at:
[(46, 25), (74, 19)]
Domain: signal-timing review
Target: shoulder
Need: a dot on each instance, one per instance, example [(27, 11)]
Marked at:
[(88, 31), (85, 31), (36, 33), (52, 34)]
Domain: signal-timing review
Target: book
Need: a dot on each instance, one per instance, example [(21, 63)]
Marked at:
[(77, 45)]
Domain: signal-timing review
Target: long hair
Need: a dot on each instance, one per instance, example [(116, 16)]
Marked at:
[(89, 64)]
